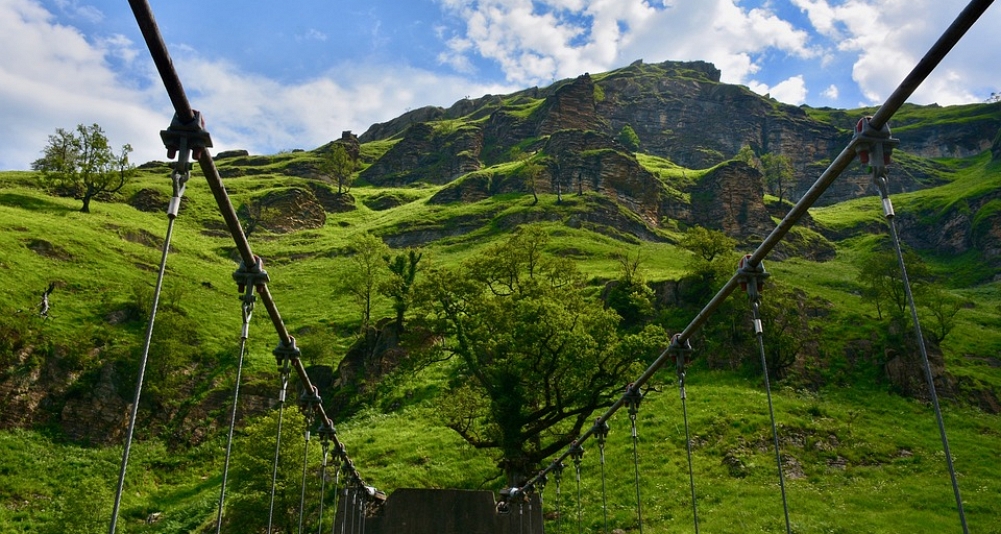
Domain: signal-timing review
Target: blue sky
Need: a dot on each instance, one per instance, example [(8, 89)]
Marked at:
[(273, 76)]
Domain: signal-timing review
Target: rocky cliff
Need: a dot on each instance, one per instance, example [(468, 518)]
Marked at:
[(679, 111)]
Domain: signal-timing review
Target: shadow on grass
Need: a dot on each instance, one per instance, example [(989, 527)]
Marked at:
[(29, 202)]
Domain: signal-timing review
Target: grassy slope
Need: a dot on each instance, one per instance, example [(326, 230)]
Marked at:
[(893, 479)]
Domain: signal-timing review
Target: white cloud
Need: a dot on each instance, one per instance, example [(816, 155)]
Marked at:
[(790, 91), (887, 38), (74, 9), (831, 93), (534, 42), (262, 115), (52, 77)]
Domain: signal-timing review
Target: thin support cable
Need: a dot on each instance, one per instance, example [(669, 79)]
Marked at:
[(521, 517), (305, 470), (683, 352), (179, 179), (336, 502), (633, 398), (364, 513), (558, 476), (771, 413), (354, 509), (601, 434), (577, 453), (278, 443), (248, 299), (888, 210), (324, 450), (751, 277)]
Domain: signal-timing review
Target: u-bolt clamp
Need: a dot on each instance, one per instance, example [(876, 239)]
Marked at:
[(251, 276), (633, 396), (601, 430), (751, 277), (682, 351), (183, 140)]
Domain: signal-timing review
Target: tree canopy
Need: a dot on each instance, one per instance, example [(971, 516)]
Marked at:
[(83, 164), (536, 355)]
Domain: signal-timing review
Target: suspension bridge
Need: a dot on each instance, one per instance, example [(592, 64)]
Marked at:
[(519, 508)]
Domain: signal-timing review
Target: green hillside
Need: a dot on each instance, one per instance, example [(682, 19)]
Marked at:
[(862, 450)]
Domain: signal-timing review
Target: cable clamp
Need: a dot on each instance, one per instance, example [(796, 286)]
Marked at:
[(251, 276), (632, 397), (601, 430), (682, 349), (308, 400), (751, 277), (874, 147), (182, 136), (285, 353), (576, 452)]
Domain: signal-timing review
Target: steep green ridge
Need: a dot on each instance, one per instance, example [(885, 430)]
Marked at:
[(861, 456)]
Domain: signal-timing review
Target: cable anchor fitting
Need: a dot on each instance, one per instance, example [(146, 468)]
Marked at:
[(601, 430), (752, 278), (576, 453), (183, 140), (253, 276), (632, 397), (682, 351), (285, 353), (875, 148)]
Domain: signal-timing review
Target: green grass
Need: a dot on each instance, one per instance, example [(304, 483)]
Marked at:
[(870, 460)]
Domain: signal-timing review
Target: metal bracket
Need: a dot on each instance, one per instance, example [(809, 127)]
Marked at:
[(751, 277), (633, 396), (181, 136), (254, 275), (683, 356), (601, 430)]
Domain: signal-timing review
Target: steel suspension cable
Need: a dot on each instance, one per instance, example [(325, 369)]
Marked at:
[(248, 309), (186, 126), (324, 450), (633, 400), (578, 454), (963, 22), (681, 351), (179, 179), (305, 470), (558, 475), (883, 188), (337, 500), (600, 436), (278, 445), (771, 414)]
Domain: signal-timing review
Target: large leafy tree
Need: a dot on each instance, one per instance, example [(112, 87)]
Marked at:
[(535, 355), (84, 164)]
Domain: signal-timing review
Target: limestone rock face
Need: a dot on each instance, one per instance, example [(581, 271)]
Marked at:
[(729, 199), (284, 211), (428, 154)]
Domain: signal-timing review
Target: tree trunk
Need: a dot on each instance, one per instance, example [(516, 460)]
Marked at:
[(86, 204)]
